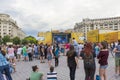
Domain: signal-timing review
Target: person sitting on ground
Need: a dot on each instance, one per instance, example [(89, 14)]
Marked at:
[(51, 75), (35, 75)]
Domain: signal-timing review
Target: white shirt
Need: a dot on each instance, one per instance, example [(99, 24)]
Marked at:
[(19, 51)]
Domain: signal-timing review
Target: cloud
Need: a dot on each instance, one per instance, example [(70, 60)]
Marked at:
[(43, 15)]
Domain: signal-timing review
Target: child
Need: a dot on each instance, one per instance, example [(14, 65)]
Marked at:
[(51, 75)]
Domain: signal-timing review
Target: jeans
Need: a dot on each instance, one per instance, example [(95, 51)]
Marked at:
[(30, 56), (89, 73), (56, 61), (5, 69), (72, 72)]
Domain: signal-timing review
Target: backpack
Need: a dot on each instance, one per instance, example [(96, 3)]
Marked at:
[(88, 60)]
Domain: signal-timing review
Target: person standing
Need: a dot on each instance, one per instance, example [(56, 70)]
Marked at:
[(80, 47), (97, 49), (103, 61), (49, 55), (30, 53), (11, 53), (42, 54), (56, 55), (117, 58), (36, 51), (25, 54), (19, 52), (88, 56), (4, 66), (72, 62)]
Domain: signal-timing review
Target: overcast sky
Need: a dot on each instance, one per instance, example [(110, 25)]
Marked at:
[(34, 16)]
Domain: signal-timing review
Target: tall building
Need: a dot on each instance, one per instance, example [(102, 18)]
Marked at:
[(87, 24), (9, 27)]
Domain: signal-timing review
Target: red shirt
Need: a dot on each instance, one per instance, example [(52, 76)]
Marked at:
[(103, 57)]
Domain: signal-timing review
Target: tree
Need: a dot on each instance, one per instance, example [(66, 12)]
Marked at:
[(16, 40), (24, 41), (6, 39), (29, 39)]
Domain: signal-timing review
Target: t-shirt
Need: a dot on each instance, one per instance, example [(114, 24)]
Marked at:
[(11, 52), (118, 49), (51, 76), (83, 57), (71, 59), (57, 52), (103, 57), (29, 49), (24, 49), (75, 43), (19, 51), (48, 51), (36, 49), (36, 76)]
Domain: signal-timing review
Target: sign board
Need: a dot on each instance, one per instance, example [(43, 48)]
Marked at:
[(92, 36), (9, 43)]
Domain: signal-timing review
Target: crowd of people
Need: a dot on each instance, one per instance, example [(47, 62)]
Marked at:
[(88, 52)]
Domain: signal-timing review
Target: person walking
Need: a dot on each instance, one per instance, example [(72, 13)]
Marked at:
[(88, 56), (72, 61), (103, 61)]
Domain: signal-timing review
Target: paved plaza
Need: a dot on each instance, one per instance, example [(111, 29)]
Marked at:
[(24, 69)]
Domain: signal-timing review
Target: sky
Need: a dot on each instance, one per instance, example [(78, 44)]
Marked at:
[(35, 16)]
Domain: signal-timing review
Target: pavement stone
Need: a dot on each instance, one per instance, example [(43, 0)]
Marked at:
[(24, 69)]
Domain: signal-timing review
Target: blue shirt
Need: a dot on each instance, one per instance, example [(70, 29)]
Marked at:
[(36, 49), (57, 52), (3, 60)]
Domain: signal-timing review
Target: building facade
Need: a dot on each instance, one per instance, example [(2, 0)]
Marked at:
[(9, 27), (101, 24)]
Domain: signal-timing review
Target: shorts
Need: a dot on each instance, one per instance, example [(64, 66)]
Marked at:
[(103, 67), (25, 54), (11, 56), (117, 61), (49, 58)]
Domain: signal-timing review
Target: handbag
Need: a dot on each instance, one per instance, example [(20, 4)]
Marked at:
[(98, 77)]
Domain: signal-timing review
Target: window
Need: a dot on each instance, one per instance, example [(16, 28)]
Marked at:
[(106, 25), (4, 29), (4, 26), (115, 24), (110, 27), (4, 33), (110, 24)]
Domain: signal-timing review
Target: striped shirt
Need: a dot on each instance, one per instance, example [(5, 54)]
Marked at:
[(51, 76), (3, 60)]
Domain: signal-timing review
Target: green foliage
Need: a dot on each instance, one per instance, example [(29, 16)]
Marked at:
[(29, 39), (6, 39), (16, 40)]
